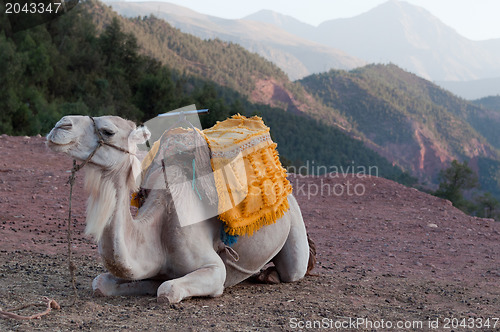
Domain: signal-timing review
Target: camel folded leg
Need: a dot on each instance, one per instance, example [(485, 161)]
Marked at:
[(291, 263), (108, 285), (206, 281)]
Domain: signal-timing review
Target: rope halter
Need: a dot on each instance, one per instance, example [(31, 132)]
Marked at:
[(100, 142)]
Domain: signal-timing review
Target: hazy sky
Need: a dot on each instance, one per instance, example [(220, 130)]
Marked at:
[(474, 19)]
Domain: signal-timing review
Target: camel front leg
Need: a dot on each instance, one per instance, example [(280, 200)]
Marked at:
[(107, 284), (206, 281)]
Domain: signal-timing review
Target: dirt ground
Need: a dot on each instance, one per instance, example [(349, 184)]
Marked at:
[(389, 257)]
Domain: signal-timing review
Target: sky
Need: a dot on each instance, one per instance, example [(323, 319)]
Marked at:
[(473, 19)]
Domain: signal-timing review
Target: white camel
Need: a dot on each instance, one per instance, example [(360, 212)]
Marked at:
[(151, 253)]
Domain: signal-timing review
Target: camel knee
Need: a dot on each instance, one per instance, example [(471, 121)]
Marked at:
[(206, 281), (293, 259), (292, 276)]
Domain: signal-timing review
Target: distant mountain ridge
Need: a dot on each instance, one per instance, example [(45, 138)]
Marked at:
[(403, 34), (394, 32), (227, 64), (473, 89), (296, 56), (491, 103), (285, 22)]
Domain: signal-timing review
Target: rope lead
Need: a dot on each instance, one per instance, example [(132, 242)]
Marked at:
[(193, 183)]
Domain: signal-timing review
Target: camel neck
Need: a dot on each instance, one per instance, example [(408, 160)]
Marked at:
[(125, 244)]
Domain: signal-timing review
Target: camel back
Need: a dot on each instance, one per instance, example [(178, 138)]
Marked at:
[(251, 183)]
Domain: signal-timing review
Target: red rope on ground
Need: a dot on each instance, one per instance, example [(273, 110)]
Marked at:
[(50, 304)]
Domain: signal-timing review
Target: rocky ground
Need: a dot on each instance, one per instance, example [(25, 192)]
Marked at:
[(388, 256)]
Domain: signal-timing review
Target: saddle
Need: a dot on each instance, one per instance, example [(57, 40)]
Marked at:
[(250, 182)]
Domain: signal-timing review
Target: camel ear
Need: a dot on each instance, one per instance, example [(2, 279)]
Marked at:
[(139, 135)]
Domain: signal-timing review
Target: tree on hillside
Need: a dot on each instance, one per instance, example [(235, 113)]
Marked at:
[(488, 206), (454, 180)]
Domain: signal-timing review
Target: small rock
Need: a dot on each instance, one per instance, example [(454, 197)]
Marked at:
[(432, 225)]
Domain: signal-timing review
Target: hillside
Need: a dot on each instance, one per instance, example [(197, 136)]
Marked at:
[(421, 149), (285, 22), (227, 64), (409, 119), (91, 69), (491, 102), (419, 42), (222, 62), (487, 118), (256, 79), (296, 56), (101, 63)]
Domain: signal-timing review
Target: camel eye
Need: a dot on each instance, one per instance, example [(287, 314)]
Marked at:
[(107, 132)]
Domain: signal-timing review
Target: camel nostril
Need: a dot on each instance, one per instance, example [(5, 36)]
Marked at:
[(65, 126)]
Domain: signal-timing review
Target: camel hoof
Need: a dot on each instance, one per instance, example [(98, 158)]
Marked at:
[(269, 276), (101, 285), (163, 299), (98, 293), (169, 293)]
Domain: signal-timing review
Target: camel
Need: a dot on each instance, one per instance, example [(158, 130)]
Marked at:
[(151, 253)]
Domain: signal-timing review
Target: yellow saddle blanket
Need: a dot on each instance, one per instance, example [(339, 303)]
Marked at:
[(251, 183)]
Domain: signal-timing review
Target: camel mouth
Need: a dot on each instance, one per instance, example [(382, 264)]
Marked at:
[(56, 145), (60, 137)]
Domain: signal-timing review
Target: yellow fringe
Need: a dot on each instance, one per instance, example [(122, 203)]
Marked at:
[(263, 220)]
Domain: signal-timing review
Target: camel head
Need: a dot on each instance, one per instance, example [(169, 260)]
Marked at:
[(78, 137), (109, 143)]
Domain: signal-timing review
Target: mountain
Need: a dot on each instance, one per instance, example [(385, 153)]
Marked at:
[(224, 63), (298, 57), (473, 89), (412, 38), (394, 32), (96, 62), (487, 120), (490, 102), (285, 22), (410, 120), (89, 62), (408, 36)]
